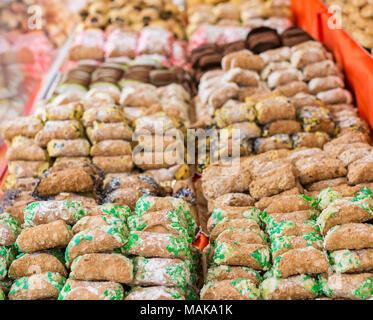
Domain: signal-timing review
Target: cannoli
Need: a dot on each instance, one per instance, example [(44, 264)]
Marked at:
[(124, 196), (9, 229), (220, 273), (139, 95), (159, 143), (114, 164), (282, 77), (106, 114), (350, 261), (27, 169), (93, 222), (37, 287), (90, 290), (109, 131), (300, 261), (292, 88), (243, 59), (347, 286), (35, 263), (276, 108), (161, 272), (242, 234), (68, 148), (296, 216), (7, 255), (68, 111), (158, 160), (111, 148), (317, 119), (101, 239), (66, 130), (324, 184), (256, 256), (149, 244), (361, 171), (234, 111), (302, 58), (354, 154), (46, 236), (293, 288), (244, 223), (240, 289), (309, 139), (23, 148), (242, 200), (320, 69), (276, 55), (281, 126), (335, 96), (102, 266), (290, 203), (155, 293), (23, 126), (24, 184), (317, 85), (242, 77), (289, 228)]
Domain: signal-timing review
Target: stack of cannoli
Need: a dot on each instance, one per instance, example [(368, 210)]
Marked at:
[(343, 222), (160, 237), (27, 159)]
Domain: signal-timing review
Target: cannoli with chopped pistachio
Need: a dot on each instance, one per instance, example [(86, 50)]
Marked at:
[(68, 111), (109, 131), (239, 289), (45, 236), (22, 148), (37, 287), (256, 256), (161, 272), (103, 267), (350, 261), (234, 224), (9, 229), (150, 244), (43, 212), (293, 288), (283, 244), (220, 273), (155, 293), (91, 290), (106, 114), (349, 236), (22, 126), (243, 235), (347, 210), (121, 212), (234, 111), (103, 238), (68, 148), (7, 255), (317, 119), (309, 139), (38, 262), (165, 221), (66, 130), (274, 108), (27, 169), (114, 164), (111, 148), (347, 286), (277, 141), (307, 260)]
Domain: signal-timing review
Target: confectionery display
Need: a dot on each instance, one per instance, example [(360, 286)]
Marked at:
[(212, 151)]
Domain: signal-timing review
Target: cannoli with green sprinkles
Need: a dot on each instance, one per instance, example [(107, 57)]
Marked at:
[(43, 212), (93, 222), (102, 266), (300, 261), (27, 169), (350, 261), (283, 244), (7, 255), (91, 290), (111, 148), (349, 236), (22, 126), (347, 286), (243, 235), (68, 148), (234, 224), (2, 294), (299, 287), (160, 272), (150, 244), (67, 130), (104, 238), (114, 164), (109, 131), (165, 221), (9, 229), (155, 293), (344, 211), (220, 273), (45, 236), (289, 228), (38, 262), (239, 289), (296, 216), (106, 114), (256, 256), (40, 286), (22, 148), (67, 111), (290, 203)]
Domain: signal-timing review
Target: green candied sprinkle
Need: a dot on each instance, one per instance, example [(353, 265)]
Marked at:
[(3, 267), (365, 290), (177, 245), (65, 291), (246, 288), (279, 243), (76, 240), (311, 238), (326, 197), (118, 234), (10, 223), (176, 272), (364, 200), (312, 201), (19, 284), (117, 211), (2, 295), (142, 205), (115, 293), (29, 214), (136, 223), (311, 285), (175, 294), (262, 256), (56, 280), (133, 241), (7, 253), (278, 229)]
